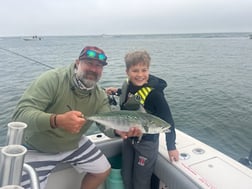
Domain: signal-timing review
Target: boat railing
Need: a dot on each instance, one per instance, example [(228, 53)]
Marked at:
[(12, 159), (11, 187)]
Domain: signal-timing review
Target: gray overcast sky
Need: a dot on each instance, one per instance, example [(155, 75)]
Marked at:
[(92, 17)]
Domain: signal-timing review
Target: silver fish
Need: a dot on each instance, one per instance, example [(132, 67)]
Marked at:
[(124, 119)]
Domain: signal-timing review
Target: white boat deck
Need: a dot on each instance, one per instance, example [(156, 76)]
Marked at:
[(200, 166), (208, 167)]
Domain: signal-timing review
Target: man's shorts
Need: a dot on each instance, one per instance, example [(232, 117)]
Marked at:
[(86, 158)]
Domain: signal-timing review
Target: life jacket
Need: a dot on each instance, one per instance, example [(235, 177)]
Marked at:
[(135, 101), (143, 93)]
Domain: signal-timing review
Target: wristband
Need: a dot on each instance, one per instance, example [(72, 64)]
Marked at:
[(54, 121)]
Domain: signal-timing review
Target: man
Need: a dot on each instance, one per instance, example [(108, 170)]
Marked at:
[(54, 108)]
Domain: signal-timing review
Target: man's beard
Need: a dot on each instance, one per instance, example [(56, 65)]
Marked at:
[(84, 78), (88, 83)]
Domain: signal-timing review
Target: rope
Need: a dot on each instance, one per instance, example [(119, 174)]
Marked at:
[(26, 57)]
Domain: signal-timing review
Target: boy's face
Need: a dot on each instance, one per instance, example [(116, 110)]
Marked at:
[(138, 74)]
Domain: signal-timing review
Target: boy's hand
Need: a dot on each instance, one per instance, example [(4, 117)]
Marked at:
[(133, 132), (173, 155)]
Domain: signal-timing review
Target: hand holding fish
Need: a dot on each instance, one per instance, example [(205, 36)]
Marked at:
[(133, 132), (71, 121)]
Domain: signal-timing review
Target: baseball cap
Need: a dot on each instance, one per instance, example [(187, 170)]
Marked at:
[(92, 52)]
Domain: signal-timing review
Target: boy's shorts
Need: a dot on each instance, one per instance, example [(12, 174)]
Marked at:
[(86, 158)]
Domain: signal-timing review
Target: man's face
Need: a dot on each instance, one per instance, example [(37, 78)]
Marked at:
[(89, 72)]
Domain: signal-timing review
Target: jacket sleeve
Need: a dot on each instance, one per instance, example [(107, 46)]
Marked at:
[(32, 105), (158, 106)]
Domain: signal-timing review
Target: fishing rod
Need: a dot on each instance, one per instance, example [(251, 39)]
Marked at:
[(111, 97), (26, 57)]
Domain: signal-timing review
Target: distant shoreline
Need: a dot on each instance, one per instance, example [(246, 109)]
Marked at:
[(155, 34)]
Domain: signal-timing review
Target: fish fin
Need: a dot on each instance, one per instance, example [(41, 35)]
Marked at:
[(141, 109)]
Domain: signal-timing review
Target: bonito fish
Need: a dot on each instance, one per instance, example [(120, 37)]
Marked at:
[(124, 119)]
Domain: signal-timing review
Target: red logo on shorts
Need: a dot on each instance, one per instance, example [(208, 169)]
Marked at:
[(141, 160)]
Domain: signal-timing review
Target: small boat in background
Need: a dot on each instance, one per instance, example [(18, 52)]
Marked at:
[(33, 38), (250, 36)]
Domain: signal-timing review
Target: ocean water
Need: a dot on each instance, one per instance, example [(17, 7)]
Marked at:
[(209, 78)]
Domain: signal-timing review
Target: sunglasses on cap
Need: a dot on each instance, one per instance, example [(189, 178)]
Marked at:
[(94, 54)]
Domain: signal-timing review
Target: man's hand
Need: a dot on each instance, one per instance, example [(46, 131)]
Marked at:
[(71, 121), (111, 90)]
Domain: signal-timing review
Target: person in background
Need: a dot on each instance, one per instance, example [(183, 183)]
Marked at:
[(142, 91), (54, 107)]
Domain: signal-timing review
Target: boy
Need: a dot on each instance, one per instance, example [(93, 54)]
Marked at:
[(143, 91)]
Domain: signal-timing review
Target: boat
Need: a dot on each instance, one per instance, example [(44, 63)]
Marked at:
[(200, 166), (106, 35), (33, 38)]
